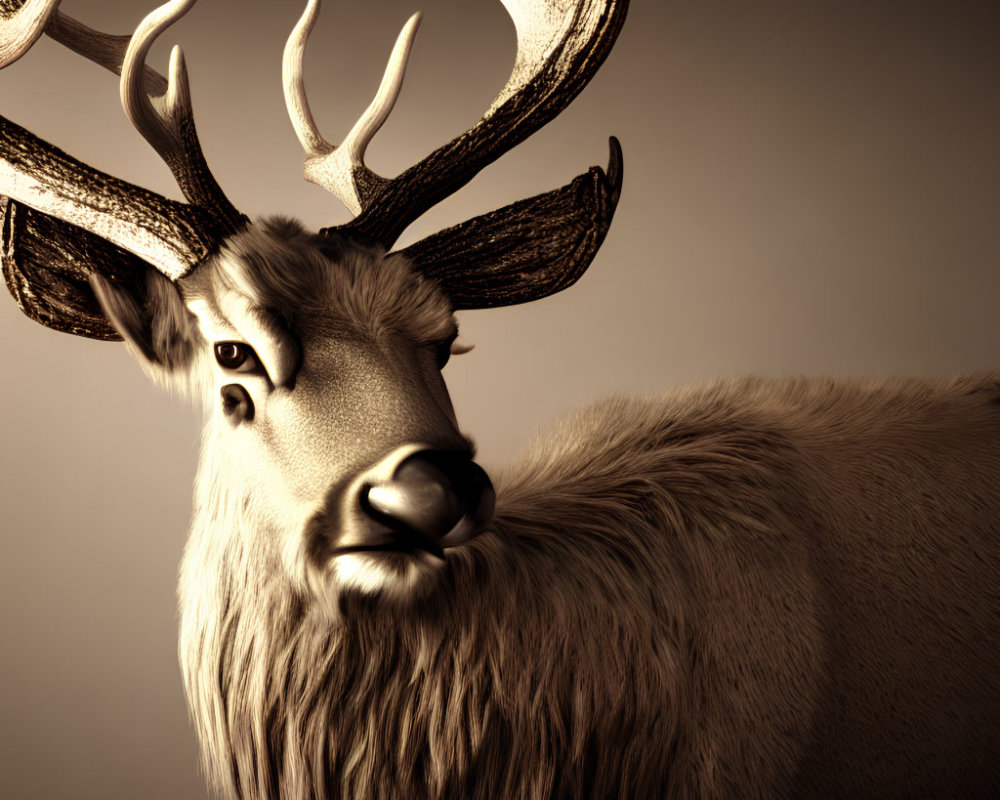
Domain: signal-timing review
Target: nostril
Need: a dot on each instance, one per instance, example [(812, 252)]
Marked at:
[(434, 495)]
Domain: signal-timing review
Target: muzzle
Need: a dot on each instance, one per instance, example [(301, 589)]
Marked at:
[(420, 499)]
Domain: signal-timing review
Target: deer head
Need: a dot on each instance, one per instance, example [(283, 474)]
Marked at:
[(317, 355)]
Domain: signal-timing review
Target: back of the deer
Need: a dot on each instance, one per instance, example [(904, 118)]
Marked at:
[(901, 510), (824, 557)]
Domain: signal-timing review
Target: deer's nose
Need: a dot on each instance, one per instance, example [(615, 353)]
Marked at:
[(434, 499)]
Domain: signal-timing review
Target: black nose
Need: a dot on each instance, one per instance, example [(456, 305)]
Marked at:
[(434, 499)]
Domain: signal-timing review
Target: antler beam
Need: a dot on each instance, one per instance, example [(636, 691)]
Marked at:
[(516, 254), (560, 47), (171, 236)]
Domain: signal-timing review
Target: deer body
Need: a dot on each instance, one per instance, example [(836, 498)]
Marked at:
[(746, 590), (751, 589)]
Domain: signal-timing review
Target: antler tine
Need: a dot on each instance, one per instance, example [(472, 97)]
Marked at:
[(374, 117), (172, 236), (171, 129), (294, 87), (22, 23), (158, 127), (341, 170)]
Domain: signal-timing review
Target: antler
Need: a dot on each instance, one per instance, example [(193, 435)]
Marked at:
[(560, 46), (21, 23), (170, 129), (341, 170), (62, 219), (171, 236)]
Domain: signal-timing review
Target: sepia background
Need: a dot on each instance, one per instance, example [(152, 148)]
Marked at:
[(810, 188)]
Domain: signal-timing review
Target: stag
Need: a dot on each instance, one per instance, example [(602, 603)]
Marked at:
[(748, 589)]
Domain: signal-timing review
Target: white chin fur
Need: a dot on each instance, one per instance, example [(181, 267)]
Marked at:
[(394, 574)]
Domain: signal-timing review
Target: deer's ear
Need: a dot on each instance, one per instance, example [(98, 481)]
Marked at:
[(152, 319), (527, 250)]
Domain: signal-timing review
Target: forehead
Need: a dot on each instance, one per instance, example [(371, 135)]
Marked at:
[(314, 285)]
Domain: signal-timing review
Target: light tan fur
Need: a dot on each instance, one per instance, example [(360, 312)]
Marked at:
[(749, 589)]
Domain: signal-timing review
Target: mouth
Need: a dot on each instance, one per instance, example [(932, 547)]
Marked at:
[(410, 546)]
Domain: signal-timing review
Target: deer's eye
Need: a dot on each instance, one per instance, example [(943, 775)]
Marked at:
[(236, 356)]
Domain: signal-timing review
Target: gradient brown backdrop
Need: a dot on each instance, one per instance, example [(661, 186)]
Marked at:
[(809, 188)]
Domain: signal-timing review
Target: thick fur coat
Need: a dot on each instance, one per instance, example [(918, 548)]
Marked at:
[(749, 589)]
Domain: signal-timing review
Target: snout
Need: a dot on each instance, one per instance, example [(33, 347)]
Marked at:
[(420, 500)]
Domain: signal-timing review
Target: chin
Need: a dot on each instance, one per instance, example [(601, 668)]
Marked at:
[(402, 576)]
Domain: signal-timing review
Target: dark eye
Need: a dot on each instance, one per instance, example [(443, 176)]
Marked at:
[(236, 356)]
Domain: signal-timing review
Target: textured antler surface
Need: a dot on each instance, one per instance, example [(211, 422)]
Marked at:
[(523, 251), (21, 23), (170, 235), (561, 44), (64, 217)]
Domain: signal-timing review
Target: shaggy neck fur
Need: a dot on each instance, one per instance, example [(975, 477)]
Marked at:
[(555, 660)]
